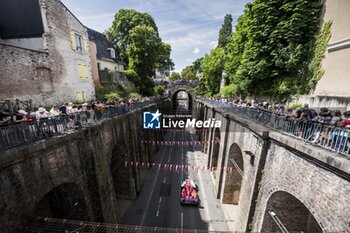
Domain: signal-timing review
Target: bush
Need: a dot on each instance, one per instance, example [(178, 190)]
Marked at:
[(130, 89), (296, 106), (159, 90), (135, 95), (112, 96), (217, 95)]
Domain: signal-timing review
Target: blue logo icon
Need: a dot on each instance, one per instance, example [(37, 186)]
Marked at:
[(151, 120)]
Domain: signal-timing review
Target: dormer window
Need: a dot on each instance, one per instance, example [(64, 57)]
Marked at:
[(112, 51)]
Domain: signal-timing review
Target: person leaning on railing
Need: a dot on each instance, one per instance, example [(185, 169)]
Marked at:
[(336, 118), (19, 117), (5, 117), (346, 122), (17, 132), (22, 127)]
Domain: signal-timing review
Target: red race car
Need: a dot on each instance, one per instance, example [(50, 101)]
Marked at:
[(189, 193)]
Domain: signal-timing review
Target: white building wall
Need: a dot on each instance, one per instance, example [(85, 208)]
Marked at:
[(332, 90), (110, 65), (336, 79)]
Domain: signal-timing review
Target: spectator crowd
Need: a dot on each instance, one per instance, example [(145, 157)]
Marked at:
[(19, 127), (327, 128), (324, 116)]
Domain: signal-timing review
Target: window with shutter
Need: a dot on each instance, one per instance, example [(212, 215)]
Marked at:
[(72, 41), (85, 45), (78, 42), (83, 70), (80, 95)]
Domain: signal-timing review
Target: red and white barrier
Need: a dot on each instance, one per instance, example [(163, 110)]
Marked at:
[(178, 143), (175, 167), (184, 130)]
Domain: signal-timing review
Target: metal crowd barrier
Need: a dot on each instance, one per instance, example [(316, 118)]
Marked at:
[(28, 132), (328, 136)]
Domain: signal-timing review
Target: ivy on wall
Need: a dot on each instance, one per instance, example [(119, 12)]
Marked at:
[(319, 49)]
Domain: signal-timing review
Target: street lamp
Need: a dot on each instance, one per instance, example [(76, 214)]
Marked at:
[(252, 156)]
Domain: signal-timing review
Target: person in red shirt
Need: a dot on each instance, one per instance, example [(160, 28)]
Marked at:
[(346, 122)]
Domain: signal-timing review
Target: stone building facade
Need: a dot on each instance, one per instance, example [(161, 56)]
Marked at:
[(65, 75), (106, 65)]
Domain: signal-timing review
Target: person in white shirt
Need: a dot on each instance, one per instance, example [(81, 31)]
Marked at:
[(41, 113), (54, 111)]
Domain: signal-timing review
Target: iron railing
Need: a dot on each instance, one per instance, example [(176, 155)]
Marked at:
[(327, 136), (28, 132)]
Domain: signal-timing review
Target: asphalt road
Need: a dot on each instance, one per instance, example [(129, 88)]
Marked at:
[(158, 204)]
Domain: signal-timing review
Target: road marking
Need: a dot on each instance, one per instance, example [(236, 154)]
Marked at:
[(160, 201), (182, 221), (154, 184), (150, 197)]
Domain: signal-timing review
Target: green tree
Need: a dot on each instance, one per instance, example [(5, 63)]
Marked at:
[(136, 36), (236, 47), (225, 31), (212, 66), (188, 73), (124, 21), (164, 64), (197, 65), (271, 46), (174, 76), (229, 91), (199, 89), (159, 90)]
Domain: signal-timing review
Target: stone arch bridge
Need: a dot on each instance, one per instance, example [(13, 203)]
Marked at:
[(174, 87), (276, 178)]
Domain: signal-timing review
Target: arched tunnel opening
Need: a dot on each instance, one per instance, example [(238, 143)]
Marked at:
[(283, 210), (182, 101), (215, 154), (66, 201), (233, 181)]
